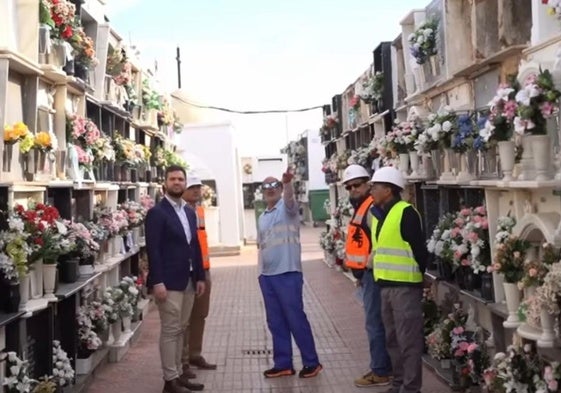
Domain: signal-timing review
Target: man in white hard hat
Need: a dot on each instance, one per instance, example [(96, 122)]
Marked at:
[(399, 264), (358, 258), (193, 340)]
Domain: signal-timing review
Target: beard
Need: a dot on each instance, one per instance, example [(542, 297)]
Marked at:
[(174, 194)]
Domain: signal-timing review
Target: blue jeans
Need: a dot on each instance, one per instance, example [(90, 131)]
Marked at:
[(284, 307), (380, 362)]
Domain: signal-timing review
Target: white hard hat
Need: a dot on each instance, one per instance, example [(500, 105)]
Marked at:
[(193, 180), (354, 172), (389, 174)]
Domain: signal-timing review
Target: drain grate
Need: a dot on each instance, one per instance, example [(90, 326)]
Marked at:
[(256, 352)]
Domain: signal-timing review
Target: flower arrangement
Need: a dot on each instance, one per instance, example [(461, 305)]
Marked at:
[(121, 303), (499, 124), (553, 7), (109, 306), (82, 130), (401, 139), (125, 151), (327, 241), (130, 290), (118, 66), (422, 43), (538, 100), (515, 371), (26, 143), (510, 251), (330, 122), (63, 373), (147, 202), (150, 98), (43, 141), (431, 313), (85, 157), (442, 126), (81, 236), (84, 48), (15, 250), (530, 311), (60, 16), (467, 354), (15, 133), (372, 88), (207, 195), (97, 313), (441, 242), (47, 232), (103, 149), (437, 344), (88, 339), (159, 157), (549, 294), (361, 156), (464, 137), (551, 379), (535, 270), (344, 208), (470, 232), (136, 213), (18, 380)]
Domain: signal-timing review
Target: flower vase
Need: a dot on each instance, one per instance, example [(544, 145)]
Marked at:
[(512, 296), (404, 163), (44, 41), (437, 160), (541, 151), (9, 297), (81, 71), (450, 166), (49, 280), (445, 364), (127, 325), (488, 168), (57, 55), (136, 236), (414, 161), (329, 259), (116, 331), (547, 338), (36, 280), (24, 287), (7, 157), (468, 163), (507, 159), (527, 160), (40, 160), (433, 65), (84, 365), (487, 287)]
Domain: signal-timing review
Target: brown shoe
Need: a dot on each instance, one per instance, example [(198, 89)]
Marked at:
[(184, 381), (202, 364), (370, 379), (188, 373), (174, 386)]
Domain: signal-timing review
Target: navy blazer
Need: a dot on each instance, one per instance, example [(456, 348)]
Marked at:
[(170, 256)]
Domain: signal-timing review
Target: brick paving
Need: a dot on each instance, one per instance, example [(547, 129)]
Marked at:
[(237, 338)]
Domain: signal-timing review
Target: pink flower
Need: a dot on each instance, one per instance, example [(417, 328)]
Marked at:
[(516, 254), (553, 385), (455, 232), (464, 346), (473, 237), (458, 330), (533, 272), (484, 224), (465, 262), (497, 266), (465, 212), (459, 222), (481, 210), (547, 109), (510, 109), (457, 254), (490, 269), (472, 347)]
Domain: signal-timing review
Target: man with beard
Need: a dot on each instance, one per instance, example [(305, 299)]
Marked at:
[(176, 272), (358, 258), (281, 282)]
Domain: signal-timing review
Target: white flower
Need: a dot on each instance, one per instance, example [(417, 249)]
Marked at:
[(420, 39), (431, 117), (446, 126), (427, 32)]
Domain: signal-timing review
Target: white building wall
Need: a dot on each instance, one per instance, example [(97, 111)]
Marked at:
[(211, 151)]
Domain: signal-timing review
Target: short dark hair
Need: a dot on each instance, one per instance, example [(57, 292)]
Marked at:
[(175, 168)]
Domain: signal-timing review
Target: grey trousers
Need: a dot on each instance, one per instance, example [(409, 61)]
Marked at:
[(402, 313)]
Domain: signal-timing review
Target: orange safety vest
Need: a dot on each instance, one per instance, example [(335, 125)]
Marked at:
[(201, 234), (358, 245)]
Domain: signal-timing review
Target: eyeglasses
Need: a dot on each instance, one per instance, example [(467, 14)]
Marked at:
[(349, 187), (273, 184)]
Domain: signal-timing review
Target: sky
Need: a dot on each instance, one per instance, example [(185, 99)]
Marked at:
[(260, 55)]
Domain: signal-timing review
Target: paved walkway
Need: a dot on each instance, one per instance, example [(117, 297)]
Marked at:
[(237, 338)]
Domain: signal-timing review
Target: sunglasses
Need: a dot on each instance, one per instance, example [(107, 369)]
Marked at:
[(273, 184), (349, 187)]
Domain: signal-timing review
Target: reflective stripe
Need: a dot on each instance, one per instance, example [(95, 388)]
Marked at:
[(395, 252), (399, 268), (278, 242), (357, 258), (283, 228)]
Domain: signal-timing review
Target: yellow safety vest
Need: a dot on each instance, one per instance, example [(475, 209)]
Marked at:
[(393, 259)]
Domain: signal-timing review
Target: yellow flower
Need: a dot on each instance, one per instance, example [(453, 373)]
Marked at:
[(20, 129), (9, 135), (26, 144), (43, 140), (551, 11)]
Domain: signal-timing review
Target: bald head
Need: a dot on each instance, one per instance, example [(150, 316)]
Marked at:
[(272, 190)]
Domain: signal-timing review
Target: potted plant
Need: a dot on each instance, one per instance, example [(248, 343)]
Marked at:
[(18, 380)]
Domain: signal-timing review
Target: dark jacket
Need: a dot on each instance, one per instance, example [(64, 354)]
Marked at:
[(170, 257)]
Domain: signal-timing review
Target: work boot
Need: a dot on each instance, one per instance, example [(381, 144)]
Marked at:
[(372, 379), (174, 386), (194, 386), (201, 363), (187, 373)]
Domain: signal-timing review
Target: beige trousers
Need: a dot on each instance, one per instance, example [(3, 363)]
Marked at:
[(175, 312), (193, 340)]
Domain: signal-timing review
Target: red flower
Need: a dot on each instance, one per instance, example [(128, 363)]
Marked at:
[(545, 1), (67, 33)]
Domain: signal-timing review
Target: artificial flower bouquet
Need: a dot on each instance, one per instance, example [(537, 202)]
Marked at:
[(422, 43), (510, 251)]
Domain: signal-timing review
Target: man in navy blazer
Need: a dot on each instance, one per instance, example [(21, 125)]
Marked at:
[(175, 275)]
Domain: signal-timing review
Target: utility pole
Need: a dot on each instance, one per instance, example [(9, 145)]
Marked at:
[(178, 59)]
